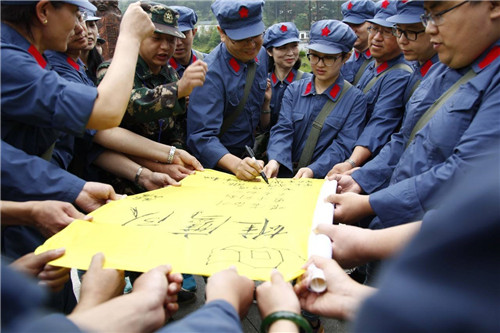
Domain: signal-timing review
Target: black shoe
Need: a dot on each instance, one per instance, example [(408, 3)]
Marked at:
[(185, 297)]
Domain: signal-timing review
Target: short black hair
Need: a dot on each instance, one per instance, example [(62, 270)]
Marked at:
[(23, 14)]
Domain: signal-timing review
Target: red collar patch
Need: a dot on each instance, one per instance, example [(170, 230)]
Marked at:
[(290, 77), (173, 63), (425, 68), (382, 67), (73, 63), (38, 56), (284, 28), (325, 31), (368, 53), (243, 12), (194, 57), (274, 78), (492, 55), (335, 91), (357, 54), (234, 65), (308, 88), (349, 5)]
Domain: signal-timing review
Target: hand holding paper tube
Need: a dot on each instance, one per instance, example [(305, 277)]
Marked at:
[(321, 245)]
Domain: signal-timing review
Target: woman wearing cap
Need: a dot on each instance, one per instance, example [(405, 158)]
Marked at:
[(31, 28), (90, 55), (281, 41), (297, 145), (37, 104)]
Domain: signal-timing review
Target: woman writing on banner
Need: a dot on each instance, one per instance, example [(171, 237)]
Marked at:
[(326, 94)]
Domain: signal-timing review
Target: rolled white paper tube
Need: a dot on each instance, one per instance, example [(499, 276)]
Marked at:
[(317, 280), (321, 245)]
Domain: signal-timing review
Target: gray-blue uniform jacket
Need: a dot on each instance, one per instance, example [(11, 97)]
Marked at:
[(385, 103), (219, 97), (300, 107), (351, 67), (376, 173), (462, 131), (279, 88)]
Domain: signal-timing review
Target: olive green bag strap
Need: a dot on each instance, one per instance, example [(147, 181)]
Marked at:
[(317, 125), (374, 79), (229, 120), (431, 111), (413, 88), (361, 70), (47, 155), (299, 75)]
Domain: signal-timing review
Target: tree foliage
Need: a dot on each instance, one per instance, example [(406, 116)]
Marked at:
[(302, 13)]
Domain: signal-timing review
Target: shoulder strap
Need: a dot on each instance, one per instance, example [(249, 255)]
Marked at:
[(361, 70), (413, 88), (317, 125), (374, 80), (299, 75), (229, 120), (47, 155), (438, 104)]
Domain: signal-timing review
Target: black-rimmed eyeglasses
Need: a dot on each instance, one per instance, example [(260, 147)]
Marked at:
[(328, 60), (409, 34), (437, 19)]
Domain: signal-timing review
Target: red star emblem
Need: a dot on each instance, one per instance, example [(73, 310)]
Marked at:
[(385, 3), (284, 28), (404, 1), (243, 12), (349, 5), (325, 31)]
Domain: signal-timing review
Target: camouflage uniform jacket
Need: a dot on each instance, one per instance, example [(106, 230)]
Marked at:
[(154, 111)]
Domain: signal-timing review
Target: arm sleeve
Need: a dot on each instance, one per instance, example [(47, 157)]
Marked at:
[(280, 143), (26, 177), (376, 174), (412, 197), (59, 104), (387, 111), (216, 316), (204, 120), (151, 104)]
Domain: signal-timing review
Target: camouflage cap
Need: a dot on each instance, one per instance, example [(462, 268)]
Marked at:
[(164, 18)]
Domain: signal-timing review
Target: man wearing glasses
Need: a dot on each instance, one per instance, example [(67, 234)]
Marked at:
[(411, 36), (452, 135), (383, 83), (221, 117), (356, 13), (413, 41)]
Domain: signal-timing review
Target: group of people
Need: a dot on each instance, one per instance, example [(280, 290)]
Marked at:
[(401, 107)]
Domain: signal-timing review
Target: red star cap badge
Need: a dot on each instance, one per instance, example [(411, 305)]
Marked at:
[(325, 31), (284, 28), (385, 3), (349, 5), (243, 12)]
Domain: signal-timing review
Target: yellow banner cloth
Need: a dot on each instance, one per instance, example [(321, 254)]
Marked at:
[(211, 222)]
